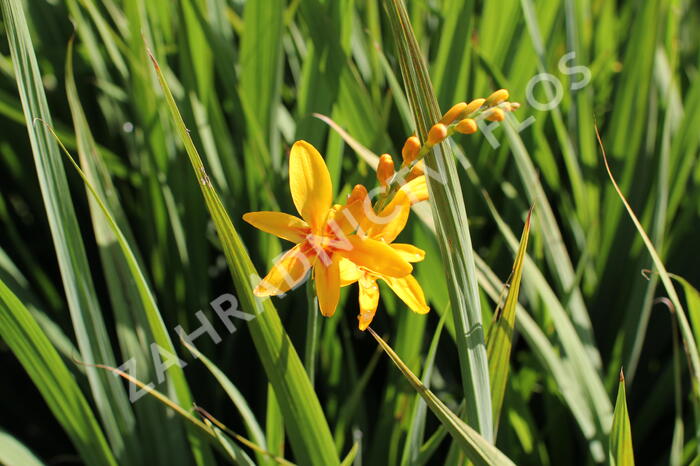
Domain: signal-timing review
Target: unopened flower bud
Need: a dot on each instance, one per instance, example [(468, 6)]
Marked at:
[(497, 97), (410, 149), (474, 105), (385, 169), (453, 113), (496, 115), (466, 126), (437, 134), (359, 192)]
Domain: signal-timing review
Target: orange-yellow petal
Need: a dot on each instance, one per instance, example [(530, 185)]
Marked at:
[(282, 225), (352, 215), (349, 272), (288, 272), (391, 220), (416, 189), (327, 279), (409, 252), (369, 299), (310, 184), (376, 256), (410, 292)]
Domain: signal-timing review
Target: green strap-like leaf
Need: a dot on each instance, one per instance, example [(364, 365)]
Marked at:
[(500, 338), (306, 424), (14, 453), (452, 224), (85, 310), (476, 447), (621, 453), (31, 346)]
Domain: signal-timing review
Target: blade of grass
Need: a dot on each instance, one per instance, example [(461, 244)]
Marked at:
[(477, 448), (591, 405), (685, 328), (252, 426), (205, 427), (621, 453), (130, 312), (306, 425), (39, 358), (452, 225), (176, 382), (500, 337), (416, 431), (555, 252), (88, 324), (352, 454), (692, 300), (15, 453)]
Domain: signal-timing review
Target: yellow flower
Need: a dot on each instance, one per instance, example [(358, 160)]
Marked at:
[(322, 234), (385, 227)]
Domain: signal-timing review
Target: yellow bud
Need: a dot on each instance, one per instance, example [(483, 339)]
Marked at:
[(410, 149), (467, 126), (474, 105), (437, 134), (453, 113), (385, 169), (496, 115), (497, 97)]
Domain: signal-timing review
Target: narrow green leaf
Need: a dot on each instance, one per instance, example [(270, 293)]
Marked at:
[(500, 337), (30, 345), (251, 423), (686, 331), (14, 453), (476, 447), (556, 254), (621, 453), (416, 431), (129, 308), (306, 424), (176, 383), (692, 300), (86, 316), (452, 224), (352, 454)]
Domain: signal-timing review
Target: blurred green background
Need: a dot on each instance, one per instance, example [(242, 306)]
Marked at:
[(247, 76)]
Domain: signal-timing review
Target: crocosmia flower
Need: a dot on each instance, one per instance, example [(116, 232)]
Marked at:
[(385, 227), (324, 235)]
